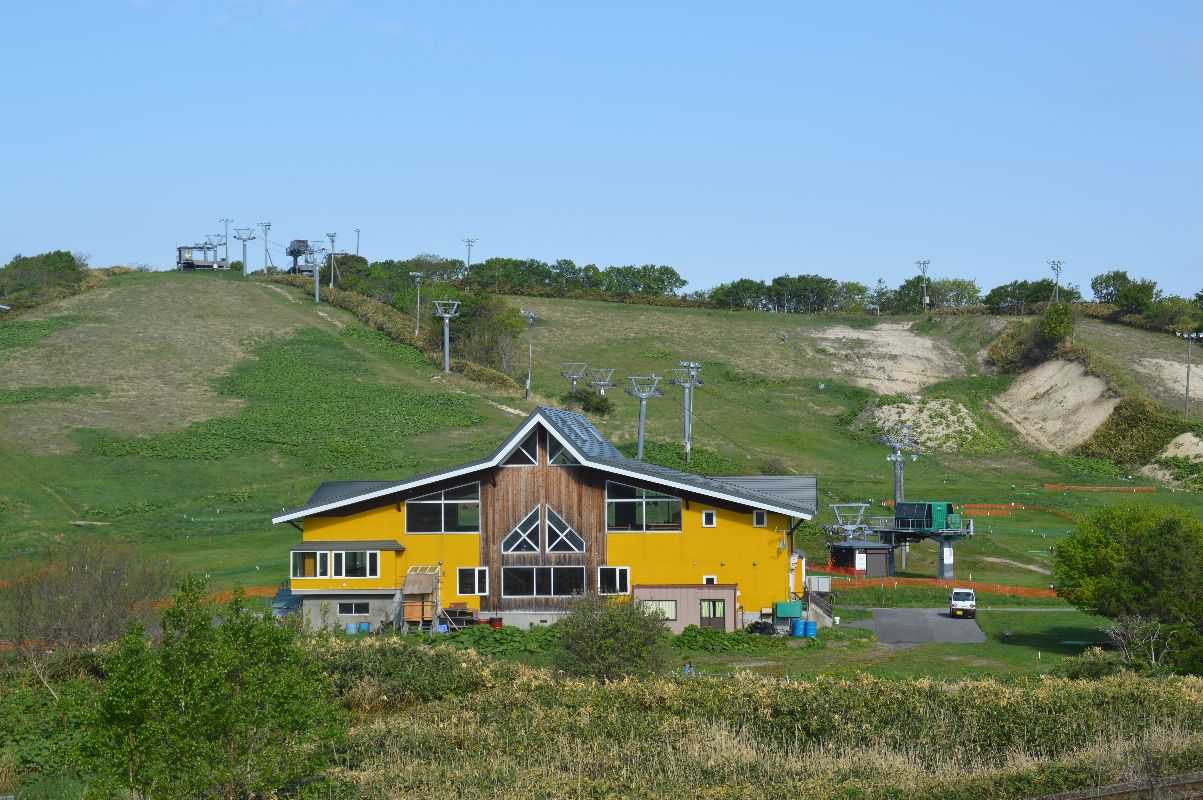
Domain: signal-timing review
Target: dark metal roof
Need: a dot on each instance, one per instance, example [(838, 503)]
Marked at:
[(593, 448), (800, 489), (860, 544), (348, 544)]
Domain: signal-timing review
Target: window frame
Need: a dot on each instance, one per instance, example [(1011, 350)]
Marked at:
[(561, 451), (477, 581), (709, 580), (713, 516), (618, 571), (551, 580), (537, 532), (521, 448), (321, 564), (764, 518), (338, 565), (367, 608), (640, 501), (560, 536), (443, 503), (658, 601)]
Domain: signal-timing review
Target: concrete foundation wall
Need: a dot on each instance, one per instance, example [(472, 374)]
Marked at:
[(379, 607)]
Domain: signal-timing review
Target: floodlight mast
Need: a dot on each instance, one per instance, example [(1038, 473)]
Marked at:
[(574, 371), (447, 309), (417, 276), (531, 318), (601, 378), (643, 387), (244, 235), (686, 376)]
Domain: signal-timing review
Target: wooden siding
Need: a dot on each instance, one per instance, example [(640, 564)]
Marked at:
[(508, 494)]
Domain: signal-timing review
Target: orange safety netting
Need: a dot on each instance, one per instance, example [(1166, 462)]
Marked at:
[(1059, 486)]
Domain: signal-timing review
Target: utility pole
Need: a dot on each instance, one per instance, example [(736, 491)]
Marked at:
[(333, 269), (447, 309), (531, 317), (643, 387), (469, 242), (1055, 266), (226, 237), (244, 235), (686, 376), (574, 371), (1190, 339), (600, 378), (357, 241), (267, 259), (417, 276), (316, 256), (922, 265), (899, 440)]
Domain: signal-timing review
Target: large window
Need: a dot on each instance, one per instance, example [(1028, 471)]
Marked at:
[(309, 564), (665, 608), (524, 538), (561, 538), (473, 580), (630, 508), (454, 510), (542, 581), (525, 454), (558, 455), (356, 563), (613, 580)]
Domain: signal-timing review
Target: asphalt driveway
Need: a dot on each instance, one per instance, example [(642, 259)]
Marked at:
[(924, 626)]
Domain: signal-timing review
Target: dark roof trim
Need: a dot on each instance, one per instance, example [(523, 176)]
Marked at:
[(348, 544)]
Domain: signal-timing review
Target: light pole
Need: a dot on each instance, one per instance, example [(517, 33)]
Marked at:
[(1190, 339), (417, 276), (332, 237), (447, 309), (922, 265), (357, 241), (530, 317)]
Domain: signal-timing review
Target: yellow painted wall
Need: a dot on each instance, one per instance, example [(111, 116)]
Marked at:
[(421, 549), (733, 551)]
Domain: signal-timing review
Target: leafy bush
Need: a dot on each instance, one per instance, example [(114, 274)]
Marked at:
[(588, 401), (709, 640), (1135, 433), (611, 638), (30, 280), (1015, 347), (1058, 323), (1094, 663), (1190, 473)]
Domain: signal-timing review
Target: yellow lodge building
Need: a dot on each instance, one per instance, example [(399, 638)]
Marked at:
[(555, 511)]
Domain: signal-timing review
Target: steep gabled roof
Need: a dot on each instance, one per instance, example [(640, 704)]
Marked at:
[(585, 443)]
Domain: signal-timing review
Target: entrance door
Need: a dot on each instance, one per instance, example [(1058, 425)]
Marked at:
[(714, 614)]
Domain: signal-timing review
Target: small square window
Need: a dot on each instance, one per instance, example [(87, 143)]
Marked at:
[(760, 519), (709, 519), (613, 580), (709, 580), (357, 609)]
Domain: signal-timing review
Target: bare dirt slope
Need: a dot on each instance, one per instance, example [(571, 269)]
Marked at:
[(938, 425), (888, 358), (1056, 406), (1169, 378), (150, 349)]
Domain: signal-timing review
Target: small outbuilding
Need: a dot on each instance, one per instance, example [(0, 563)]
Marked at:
[(707, 605), (862, 557)]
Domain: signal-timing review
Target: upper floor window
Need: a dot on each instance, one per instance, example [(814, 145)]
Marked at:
[(561, 538), (524, 538), (631, 508), (356, 563), (455, 510), (760, 518), (310, 564), (558, 455), (526, 454)]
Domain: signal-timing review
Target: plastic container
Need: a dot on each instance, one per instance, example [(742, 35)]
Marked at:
[(788, 610), (812, 629), (442, 627), (365, 627), (494, 622), (352, 628), (797, 627)]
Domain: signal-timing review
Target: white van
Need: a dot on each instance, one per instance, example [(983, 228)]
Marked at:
[(963, 603)]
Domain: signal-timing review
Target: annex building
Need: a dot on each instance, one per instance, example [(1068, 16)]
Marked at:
[(554, 512)]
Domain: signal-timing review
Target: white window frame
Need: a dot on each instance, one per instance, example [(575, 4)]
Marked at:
[(521, 448), (659, 606), (643, 500), (555, 536), (321, 565), (763, 517), (353, 613), (625, 571), (480, 581), (442, 503), (339, 565), (712, 515), (536, 532), (709, 580), (553, 442)]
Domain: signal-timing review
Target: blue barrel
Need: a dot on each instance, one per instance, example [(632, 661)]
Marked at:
[(797, 627), (365, 627), (352, 627), (442, 627), (812, 629)]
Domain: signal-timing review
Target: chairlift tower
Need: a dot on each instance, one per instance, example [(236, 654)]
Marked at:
[(849, 520), (686, 376), (244, 235), (531, 318), (333, 268), (643, 387), (574, 371), (315, 256), (601, 378), (899, 441), (447, 310)]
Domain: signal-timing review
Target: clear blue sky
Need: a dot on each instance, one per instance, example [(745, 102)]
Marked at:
[(726, 140)]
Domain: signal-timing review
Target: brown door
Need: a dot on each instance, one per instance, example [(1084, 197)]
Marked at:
[(714, 614)]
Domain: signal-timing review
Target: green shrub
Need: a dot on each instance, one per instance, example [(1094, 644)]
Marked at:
[(701, 460), (1058, 323), (1135, 433), (1094, 663), (610, 638), (588, 401), (709, 640)]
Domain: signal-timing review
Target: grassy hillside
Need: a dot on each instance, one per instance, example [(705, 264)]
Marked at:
[(180, 410)]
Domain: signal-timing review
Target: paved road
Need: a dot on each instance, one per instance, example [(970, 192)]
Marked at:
[(924, 625)]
